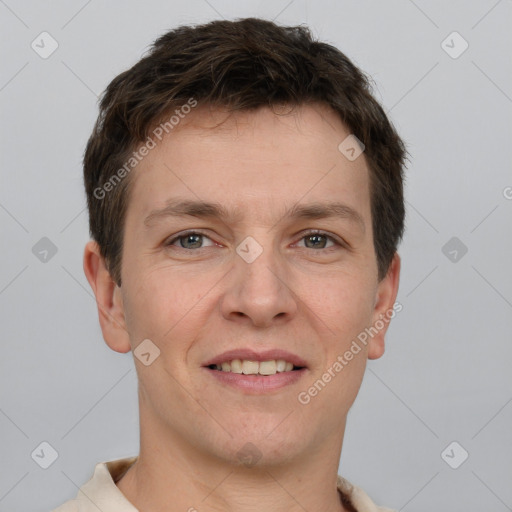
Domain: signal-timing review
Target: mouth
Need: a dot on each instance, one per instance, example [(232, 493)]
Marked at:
[(254, 372), (249, 367)]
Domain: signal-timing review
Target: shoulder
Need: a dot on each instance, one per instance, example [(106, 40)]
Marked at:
[(359, 500), (100, 491), (69, 506)]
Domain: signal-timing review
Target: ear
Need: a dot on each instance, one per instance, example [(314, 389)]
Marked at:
[(108, 299), (384, 311)]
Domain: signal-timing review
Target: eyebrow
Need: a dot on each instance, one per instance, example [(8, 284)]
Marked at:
[(202, 209)]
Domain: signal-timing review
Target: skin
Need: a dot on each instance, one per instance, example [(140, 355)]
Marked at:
[(195, 303)]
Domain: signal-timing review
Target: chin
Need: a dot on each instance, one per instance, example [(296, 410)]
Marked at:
[(256, 449)]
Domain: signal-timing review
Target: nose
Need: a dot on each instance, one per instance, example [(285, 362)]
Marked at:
[(259, 292)]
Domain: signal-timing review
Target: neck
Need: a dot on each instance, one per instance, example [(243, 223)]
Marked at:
[(171, 475)]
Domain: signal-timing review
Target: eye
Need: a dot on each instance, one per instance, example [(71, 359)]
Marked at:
[(319, 240), (195, 239), (189, 240)]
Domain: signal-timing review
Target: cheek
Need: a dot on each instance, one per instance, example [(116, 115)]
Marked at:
[(164, 306), (344, 303), (152, 305)]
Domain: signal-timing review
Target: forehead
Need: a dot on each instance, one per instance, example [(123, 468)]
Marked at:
[(255, 161)]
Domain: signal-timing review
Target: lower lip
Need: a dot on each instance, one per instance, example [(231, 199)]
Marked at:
[(257, 383)]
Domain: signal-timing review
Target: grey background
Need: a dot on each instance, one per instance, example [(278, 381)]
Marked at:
[(446, 372)]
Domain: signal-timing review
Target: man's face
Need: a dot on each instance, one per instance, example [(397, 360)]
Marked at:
[(199, 295)]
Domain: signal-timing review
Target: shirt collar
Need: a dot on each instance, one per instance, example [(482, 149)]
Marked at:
[(101, 492)]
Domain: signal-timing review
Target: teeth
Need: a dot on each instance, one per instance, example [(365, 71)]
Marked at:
[(236, 366), (268, 368), (281, 365), (248, 367)]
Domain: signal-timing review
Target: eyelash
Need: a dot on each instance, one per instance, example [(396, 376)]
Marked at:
[(305, 235)]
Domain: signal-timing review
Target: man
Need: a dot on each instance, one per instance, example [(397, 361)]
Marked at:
[(245, 203)]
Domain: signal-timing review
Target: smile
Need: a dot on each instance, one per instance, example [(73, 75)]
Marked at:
[(248, 367)]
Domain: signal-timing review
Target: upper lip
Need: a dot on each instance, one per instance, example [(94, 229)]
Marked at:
[(253, 355)]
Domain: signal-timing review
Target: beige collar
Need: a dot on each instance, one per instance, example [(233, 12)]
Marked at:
[(101, 492)]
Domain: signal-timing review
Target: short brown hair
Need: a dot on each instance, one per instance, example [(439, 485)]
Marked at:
[(239, 65)]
